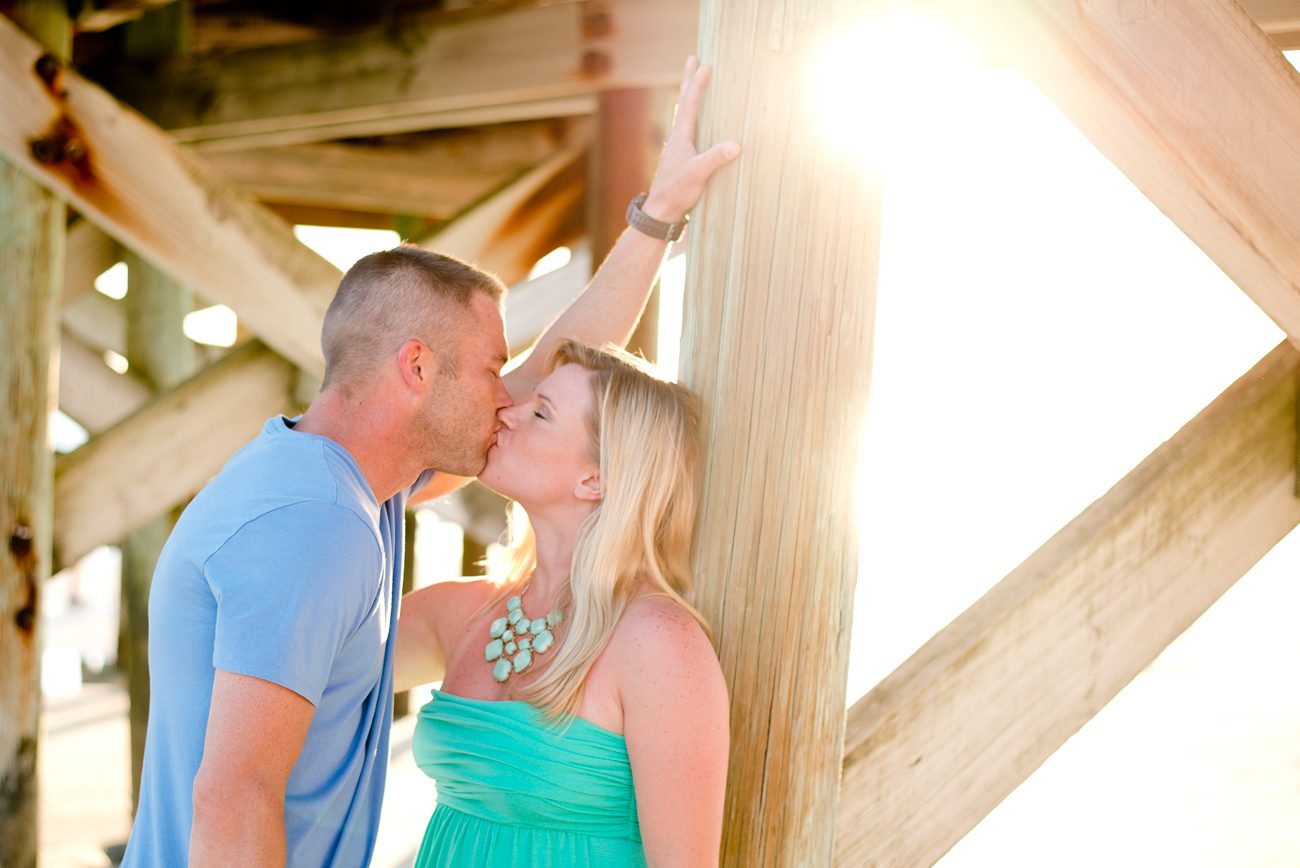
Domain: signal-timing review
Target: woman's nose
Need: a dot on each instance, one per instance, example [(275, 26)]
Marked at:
[(506, 416)]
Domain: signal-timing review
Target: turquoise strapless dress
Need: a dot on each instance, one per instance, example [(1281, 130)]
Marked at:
[(514, 789)]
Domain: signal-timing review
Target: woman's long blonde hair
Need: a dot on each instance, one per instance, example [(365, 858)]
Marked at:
[(645, 437)]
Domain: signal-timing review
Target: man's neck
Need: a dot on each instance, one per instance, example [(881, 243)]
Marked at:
[(366, 430)]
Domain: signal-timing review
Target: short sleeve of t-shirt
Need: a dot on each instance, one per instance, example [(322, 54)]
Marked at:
[(291, 586)]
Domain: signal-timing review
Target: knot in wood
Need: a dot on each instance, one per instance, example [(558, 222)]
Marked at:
[(48, 68), (596, 64), (21, 541)]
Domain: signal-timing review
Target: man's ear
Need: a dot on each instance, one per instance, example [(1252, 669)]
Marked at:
[(588, 488), (415, 362)]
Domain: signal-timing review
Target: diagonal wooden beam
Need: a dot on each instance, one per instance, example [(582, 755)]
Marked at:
[(143, 189), (91, 392), (1280, 19), (166, 452), (519, 224), (1191, 101), (978, 708), (90, 252), (533, 305), (535, 61), (97, 322)]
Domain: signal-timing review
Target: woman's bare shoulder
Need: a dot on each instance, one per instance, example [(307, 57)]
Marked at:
[(657, 636)]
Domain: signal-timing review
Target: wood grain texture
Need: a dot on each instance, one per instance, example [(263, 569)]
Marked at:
[(777, 341), (529, 62), (32, 238), (166, 452), (436, 177), (980, 706), (156, 199), (92, 393)]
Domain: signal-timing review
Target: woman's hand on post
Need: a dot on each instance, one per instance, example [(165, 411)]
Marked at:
[(682, 172)]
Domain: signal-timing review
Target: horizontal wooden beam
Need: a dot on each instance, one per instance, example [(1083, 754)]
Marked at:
[(166, 452), (525, 62), (1191, 101), (143, 189), (91, 392), (434, 176), (981, 705)]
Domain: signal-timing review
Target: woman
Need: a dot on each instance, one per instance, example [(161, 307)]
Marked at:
[(591, 730)]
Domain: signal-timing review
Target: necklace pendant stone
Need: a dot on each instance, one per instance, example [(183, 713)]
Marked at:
[(498, 627), (543, 641), (523, 660), (493, 650), (501, 671)]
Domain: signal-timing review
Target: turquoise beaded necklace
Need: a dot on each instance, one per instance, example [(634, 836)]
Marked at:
[(516, 638)]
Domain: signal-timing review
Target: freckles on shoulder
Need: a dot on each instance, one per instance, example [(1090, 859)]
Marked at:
[(657, 642)]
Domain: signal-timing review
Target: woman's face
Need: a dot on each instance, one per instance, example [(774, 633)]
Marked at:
[(542, 453)]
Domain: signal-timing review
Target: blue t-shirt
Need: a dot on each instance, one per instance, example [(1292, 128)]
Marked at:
[(287, 569)]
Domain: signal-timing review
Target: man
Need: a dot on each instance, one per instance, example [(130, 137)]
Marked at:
[(275, 597)]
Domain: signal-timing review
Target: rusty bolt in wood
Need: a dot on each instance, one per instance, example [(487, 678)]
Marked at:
[(597, 24), (596, 63), (48, 68), (21, 540)]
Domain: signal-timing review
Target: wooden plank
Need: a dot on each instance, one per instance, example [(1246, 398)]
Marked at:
[(91, 392), (1191, 101), (533, 305), (167, 451), (408, 77), (968, 717), (1280, 19), (90, 252), (98, 322), (32, 236), (137, 184), (431, 176), (163, 356), (509, 231), (777, 342), (631, 127)]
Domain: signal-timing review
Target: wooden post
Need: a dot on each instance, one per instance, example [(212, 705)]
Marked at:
[(163, 357), (32, 240), (777, 341), (402, 700), (161, 354), (628, 138)]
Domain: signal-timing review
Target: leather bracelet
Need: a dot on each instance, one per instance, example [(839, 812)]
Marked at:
[(643, 222)]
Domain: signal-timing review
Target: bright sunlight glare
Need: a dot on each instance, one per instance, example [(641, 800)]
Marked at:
[(875, 79), (215, 326), (112, 282), (342, 247)]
